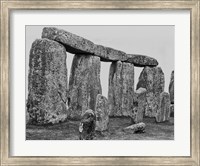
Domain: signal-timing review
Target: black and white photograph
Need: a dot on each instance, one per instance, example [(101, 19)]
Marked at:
[(89, 82)]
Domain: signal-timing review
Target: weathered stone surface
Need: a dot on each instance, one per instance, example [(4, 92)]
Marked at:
[(121, 89), (171, 88), (172, 110), (102, 113), (139, 104), (87, 125), (84, 84), (152, 79), (163, 113), (136, 128), (141, 60), (79, 45), (108, 54), (73, 43), (47, 82)]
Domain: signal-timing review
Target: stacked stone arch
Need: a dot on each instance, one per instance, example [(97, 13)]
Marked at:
[(52, 100)]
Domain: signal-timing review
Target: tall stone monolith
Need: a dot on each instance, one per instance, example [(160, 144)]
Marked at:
[(102, 113), (121, 89), (84, 84), (139, 104), (152, 79), (163, 111), (47, 82)]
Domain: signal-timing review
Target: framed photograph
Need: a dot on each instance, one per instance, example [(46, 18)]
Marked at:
[(100, 83)]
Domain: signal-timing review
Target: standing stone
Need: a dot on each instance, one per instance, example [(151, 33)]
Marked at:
[(172, 110), (47, 82), (84, 84), (171, 88), (152, 79), (139, 104), (163, 113), (102, 113), (87, 125), (121, 89)]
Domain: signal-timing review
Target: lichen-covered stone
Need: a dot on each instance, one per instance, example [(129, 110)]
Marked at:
[(73, 43), (136, 128), (47, 82), (163, 113), (171, 88), (87, 125), (172, 110), (84, 84), (152, 79), (102, 113), (79, 45), (141, 60), (139, 104), (121, 89)]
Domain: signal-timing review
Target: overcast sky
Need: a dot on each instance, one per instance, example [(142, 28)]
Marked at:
[(153, 41)]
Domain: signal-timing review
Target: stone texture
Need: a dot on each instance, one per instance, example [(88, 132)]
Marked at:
[(139, 104), (152, 79), (87, 125), (171, 88), (84, 84), (79, 45), (73, 43), (172, 110), (141, 60), (136, 128), (163, 113), (121, 89), (102, 113), (47, 82)]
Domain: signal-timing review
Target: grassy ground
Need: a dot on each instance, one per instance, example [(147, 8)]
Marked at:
[(69, 131)]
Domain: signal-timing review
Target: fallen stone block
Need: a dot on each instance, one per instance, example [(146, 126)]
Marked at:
[(136, 128)]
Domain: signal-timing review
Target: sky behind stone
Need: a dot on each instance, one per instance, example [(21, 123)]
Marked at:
[(154, 41)]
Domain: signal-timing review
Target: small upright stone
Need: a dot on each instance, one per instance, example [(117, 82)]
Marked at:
[(87, 125), (84, 84), (163, 113), (171, 88), (152, 79), (139, 104), (47, 82), (101, 112), (121, 88), (172, 110)]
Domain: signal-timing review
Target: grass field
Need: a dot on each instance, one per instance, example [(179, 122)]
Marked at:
[(69, 131)]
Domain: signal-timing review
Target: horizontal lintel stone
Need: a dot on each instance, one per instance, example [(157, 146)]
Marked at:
[(79, 45)]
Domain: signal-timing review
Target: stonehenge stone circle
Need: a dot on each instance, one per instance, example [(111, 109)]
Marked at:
[(47, 82), (163, 113), (51, 100), (84, 84), (121, 89), (139, 104), (152, 79), (102, 113), (79, 45)]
